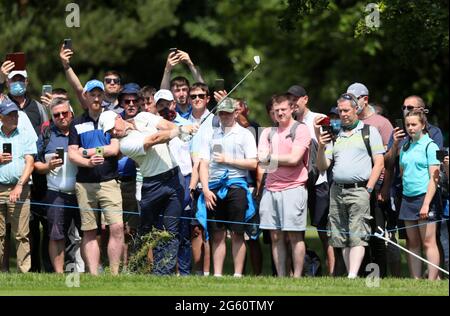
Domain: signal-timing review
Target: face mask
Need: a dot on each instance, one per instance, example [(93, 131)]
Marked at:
[(336, 126), (359, 110), (17, 88), (167, 114)]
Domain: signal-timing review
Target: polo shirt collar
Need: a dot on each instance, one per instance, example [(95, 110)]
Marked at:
[(233, 130), (16, 131), (353, 131), (424, 139), (56, 130)]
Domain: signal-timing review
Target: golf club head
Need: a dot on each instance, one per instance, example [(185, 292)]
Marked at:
[(257, 60)]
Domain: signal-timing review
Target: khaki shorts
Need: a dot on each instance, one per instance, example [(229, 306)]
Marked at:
[(349, 218), (95, 196)]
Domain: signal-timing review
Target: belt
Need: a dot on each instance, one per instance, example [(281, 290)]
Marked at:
[(351, 185), (127, 178), (162, 176)]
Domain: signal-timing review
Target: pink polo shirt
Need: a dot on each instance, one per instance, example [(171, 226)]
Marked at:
[(283, 177)]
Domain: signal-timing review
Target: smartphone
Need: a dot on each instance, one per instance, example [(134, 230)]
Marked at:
[(219, 85), (327, 129), (440, 154), (173, 50), (47, 88), (399, 123), (7, 148), (18, 59), (325, 121), (217, 148), (68, 43), (99, 151), (60, 153)]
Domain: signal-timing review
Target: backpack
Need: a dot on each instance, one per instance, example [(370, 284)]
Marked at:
[(365, 133), (313, 171), (312, 266)]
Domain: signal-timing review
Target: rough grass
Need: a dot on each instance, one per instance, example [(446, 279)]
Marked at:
[(51, 284)]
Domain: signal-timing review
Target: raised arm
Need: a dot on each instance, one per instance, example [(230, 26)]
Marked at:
[(72, 78), (184, 58), (172, 60)]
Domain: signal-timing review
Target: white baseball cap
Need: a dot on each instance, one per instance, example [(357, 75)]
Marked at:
[(107, 120), (163, 94), (23, 73)]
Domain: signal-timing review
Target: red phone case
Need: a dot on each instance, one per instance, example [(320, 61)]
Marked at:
[(18, 59), (325, 121)]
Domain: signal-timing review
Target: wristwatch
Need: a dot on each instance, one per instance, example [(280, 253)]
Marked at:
[(20, 182), (370, 190), (85, 152)]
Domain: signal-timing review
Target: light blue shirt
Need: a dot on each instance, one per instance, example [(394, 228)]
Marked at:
[(21, 145), (415, 163)]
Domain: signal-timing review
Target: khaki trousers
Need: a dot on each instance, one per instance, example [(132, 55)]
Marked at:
[(18, 214)]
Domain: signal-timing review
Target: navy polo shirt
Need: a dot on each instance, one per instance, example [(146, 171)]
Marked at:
[(85, 132), (56, 139)]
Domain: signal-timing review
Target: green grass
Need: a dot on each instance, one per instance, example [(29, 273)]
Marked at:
[(51, 284)]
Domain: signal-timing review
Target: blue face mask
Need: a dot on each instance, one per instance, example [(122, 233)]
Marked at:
[(336, 126), (17, 88)]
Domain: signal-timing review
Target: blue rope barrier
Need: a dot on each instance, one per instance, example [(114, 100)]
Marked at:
[(224, 221)]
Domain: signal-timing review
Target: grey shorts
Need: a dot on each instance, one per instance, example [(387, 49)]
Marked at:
[(284, 210), (349, 219)]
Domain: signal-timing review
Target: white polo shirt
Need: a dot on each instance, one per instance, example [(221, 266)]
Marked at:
[(237, 143), (155, 160)]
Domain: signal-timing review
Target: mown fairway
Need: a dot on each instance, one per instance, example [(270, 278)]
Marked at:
[(50, 284)]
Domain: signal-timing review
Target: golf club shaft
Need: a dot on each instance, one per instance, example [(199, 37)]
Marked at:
[(226, 96), (418, 257)]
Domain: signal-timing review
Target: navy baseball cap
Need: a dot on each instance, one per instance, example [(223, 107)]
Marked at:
[(130, 88), (7, 106)]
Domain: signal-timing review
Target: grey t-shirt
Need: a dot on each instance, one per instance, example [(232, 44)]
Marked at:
[(351, 159)]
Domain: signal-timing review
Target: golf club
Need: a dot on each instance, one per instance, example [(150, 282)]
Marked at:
[(257, 61)]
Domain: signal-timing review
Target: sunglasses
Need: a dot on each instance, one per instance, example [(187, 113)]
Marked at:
[(349, 97), (64, 114), (128, 101), (111, 80), (408, 107), (195, 96)]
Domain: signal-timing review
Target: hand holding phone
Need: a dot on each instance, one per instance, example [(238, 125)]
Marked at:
[(68, 43), (217, 149), (173, 50), (219, 85), (46, 88), (399, 124), (327, 129), (326, 121), (99, 151), (60, 153), (18, 59), (7, 148)]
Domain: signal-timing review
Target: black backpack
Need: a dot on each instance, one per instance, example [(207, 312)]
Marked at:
[(313, 171)]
